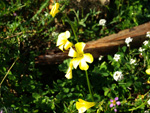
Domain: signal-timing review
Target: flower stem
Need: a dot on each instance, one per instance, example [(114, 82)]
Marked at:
[(72, 27), (74, 32), (89, 86), (135, 108)]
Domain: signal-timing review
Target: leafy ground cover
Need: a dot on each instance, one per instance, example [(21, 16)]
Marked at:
[(112, 83)]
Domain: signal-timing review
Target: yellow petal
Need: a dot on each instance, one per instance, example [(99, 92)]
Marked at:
[(54, 10), (61, 39), (72, 52), (69, 71), (69, 74), (67, 34), (82, 110), (54, 13), (76, 62), (148, 82), (88, 57), (82, 105), (79, 47), (56, 6), (148, 71), (67, 45), (83, 65), (61, 47)]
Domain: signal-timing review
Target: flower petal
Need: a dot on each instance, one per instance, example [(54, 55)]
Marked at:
[(83, 65), (56, 5), (76, 62), (72, 52), (61, 39), (82, 105), (61, 47), (82, 110), (54, 10), (67, 45), (69, 71), (79, 47), (148, 71), (115, 110), (67, 34), (111, 105), (69, 74), (88, 57), (111, 100), (118, 103), (116, 98)]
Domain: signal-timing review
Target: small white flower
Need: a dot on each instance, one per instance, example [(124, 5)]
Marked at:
[(133, 61), (118, 75), (146, 111), (148, 34), (102, 22), (141, 54), (54, 34), (141, 49), (128, 40), (116, 57), (24, 36), (148, 102), (46, 14), (145, 42), (100, 57)]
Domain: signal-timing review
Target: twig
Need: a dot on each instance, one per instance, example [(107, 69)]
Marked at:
[(8, 71), (18, 34)]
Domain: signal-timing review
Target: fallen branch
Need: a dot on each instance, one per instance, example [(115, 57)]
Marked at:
[(103, 46)]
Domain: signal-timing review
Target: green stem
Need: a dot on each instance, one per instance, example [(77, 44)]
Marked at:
[(40, 10), (8, 71), (74, 32), (132, 109), (72, 27), (89, 86), (138, 106), (148, 60)]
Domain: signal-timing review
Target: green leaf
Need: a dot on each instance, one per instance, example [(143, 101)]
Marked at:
[(129, 83), (106, 91), (64, 66), (109, 57), (124, 48), (35, 95)]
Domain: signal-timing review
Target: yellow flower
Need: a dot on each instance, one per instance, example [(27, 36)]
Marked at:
[(148, 71), (54, 10), (82, 105), (148, 82), (79, 58), (62, 41), (69, 71)]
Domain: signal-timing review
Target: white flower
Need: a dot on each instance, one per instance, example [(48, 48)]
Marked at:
[(148, 34), (46, 14), (141, 49), (148, 102), (146, 111), (116, 57), (133, 61), (118, 75), (24, 36), (100, 57), (128, 40), (102, 22), (145, 42), (54, 34)]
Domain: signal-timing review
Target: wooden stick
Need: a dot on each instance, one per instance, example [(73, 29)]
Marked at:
[(103, 46)]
